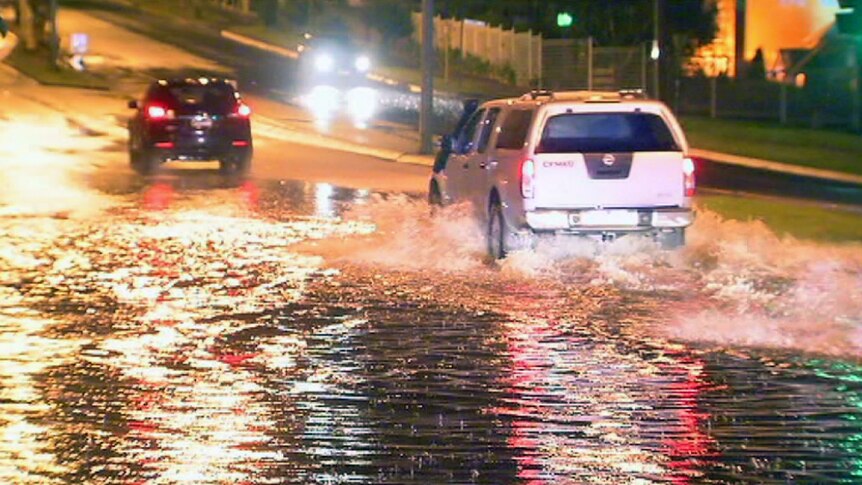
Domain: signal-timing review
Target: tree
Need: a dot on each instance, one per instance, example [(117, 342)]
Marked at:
[(391, 18), (757, 66), (268, 11), (618, 22)]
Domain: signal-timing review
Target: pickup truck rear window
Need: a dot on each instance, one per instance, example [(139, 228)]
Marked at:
[(516, 125), (606, 133)]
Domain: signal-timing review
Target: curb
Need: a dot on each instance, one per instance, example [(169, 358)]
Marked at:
[(771, 166), (257, 44)]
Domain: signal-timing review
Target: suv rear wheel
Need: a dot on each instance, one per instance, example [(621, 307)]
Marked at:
[(143, 162), (235, 164)]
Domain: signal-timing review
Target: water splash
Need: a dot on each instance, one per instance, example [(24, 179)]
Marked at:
[(736, 283)]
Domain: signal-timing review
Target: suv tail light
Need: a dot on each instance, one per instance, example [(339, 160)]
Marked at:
[(528, 178), (689, 181), (156, 112), (242, 110)]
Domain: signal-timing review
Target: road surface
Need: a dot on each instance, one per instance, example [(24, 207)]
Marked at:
[(315, 323)]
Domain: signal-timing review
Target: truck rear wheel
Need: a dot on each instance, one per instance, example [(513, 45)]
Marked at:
[(497, 232)]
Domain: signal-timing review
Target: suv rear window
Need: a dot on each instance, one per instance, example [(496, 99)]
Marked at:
[(192, 98), (606, 133)]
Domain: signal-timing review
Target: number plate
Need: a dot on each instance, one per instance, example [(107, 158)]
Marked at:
[(604, 218), (201, 122)]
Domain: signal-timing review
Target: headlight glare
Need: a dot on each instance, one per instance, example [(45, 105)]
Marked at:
[(363, 64), (324, 62)]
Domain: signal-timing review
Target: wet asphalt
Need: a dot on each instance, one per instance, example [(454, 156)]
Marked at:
[(212, 330)]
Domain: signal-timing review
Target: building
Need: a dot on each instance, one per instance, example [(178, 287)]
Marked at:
[(771, 26)]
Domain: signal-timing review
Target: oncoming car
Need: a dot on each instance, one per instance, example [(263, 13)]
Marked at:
[(591, 164), (191, 120), (332, 59), (333, 79)]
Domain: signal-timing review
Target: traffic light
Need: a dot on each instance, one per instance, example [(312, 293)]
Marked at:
[(849, 18), (565, 20)]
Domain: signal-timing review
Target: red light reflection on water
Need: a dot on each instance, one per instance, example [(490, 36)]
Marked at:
[(689, 445), (158, 197), (568, 423), (250, 194)]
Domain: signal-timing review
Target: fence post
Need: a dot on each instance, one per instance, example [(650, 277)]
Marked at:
[(589, 63), (501, 34), (448, 25), (513, 53), (461, 44), (856, 109), (644, 69), (782, 105), (541, 61), (530, 76), (713, 97)]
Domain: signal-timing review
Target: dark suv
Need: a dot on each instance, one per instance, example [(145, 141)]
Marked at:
[(190, 119)]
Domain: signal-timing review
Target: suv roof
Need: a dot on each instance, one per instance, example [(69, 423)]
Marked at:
[(199, 81), (542, 97)]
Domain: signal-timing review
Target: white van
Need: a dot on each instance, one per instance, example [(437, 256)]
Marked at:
[(593, 164)]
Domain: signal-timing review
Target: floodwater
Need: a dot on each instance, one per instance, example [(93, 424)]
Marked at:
[(198, 330)]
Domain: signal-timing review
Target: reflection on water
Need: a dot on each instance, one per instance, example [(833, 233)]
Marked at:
[(302, 333)]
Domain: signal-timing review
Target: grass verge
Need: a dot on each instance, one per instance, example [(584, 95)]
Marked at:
[(35, 64), (830, 150), (798, 219)]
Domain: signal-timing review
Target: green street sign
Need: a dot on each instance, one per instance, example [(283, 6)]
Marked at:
[(849, 18), (565, 19)]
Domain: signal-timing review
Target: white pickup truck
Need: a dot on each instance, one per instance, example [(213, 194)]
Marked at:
[(591, 164)]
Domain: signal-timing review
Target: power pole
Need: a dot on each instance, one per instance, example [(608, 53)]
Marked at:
[(426, 109), (55, 34), (657, 53)]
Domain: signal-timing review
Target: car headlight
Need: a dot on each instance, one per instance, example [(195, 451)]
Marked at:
[(324, 62), (363, 64)]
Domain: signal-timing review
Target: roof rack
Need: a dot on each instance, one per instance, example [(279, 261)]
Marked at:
[(632, 93), (536, 93)]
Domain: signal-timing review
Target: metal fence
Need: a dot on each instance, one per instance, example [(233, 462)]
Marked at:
[(578, 64), (567, 64), (521, 51), (826, 101)]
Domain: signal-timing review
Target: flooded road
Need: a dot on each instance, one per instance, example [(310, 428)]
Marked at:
[(191, 329)]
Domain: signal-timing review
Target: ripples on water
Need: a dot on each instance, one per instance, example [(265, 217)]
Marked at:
[(306, 334)]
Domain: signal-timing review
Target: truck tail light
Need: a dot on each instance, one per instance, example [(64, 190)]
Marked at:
[(689, 179), (528, 179)]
